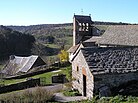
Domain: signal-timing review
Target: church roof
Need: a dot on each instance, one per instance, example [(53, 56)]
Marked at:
[(120, 35), (73, 48), (93, 39), (111, 60)]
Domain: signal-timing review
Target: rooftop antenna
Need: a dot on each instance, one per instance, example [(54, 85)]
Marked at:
[(82, 11)]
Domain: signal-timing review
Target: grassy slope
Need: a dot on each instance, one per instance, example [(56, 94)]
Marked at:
[(68, 39)]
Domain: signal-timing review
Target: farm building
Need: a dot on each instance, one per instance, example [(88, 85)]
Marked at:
[(18, 64), (101, 62)]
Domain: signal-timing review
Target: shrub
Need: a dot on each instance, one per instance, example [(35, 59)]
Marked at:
[(41, 94), (131, 99), (71, 93), (36, 95)]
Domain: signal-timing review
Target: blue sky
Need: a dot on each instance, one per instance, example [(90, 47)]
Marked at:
[(31, 12)]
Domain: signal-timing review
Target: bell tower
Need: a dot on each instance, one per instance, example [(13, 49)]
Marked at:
[(82, 28)]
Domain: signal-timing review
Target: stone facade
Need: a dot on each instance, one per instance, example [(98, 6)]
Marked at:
[(80, 68), (113, 80)]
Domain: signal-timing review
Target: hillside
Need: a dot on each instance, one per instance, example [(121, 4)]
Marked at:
[(51, 35), (35, 29), (57, 35), (14, 42), (17, 43)]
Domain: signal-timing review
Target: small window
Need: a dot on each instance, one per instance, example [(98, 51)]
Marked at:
[(77, 68), (87, 28), (80, 27), (87, 24), (78, 81)]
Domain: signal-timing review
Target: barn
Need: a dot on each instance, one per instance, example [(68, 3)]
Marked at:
[(21, 64)]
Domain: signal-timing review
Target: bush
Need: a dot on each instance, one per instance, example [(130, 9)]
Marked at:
[(37, 95), (131, 99), (71, 93)]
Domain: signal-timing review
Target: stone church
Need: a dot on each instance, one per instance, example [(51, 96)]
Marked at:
[(102, 61)]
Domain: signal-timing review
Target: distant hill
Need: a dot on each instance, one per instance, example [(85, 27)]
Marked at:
[(57, 35), (46, 28), (39, 29), (110, 23), (52, 35)]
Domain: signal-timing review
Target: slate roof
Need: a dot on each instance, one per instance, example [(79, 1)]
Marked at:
[(120, 35), (73, 48), (111, 60), (20, 64), (94, 39), (83, 19)]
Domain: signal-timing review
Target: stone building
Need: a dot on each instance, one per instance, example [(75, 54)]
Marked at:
[(101, 62), (20, 64)]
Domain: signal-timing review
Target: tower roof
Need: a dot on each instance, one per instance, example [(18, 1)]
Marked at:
[(83, 19)]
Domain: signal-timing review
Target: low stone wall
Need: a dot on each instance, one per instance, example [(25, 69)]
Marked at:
[(20, 86), (30, 74), (59, 78)]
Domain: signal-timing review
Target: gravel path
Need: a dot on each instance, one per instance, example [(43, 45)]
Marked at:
[(59, 97)]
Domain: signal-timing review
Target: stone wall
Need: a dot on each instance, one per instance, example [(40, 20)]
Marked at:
[(114, 79), (59, 78), (20, 86), (78, 64), (46, 69)]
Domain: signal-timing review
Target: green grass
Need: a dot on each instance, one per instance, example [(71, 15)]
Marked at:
[(13, 81), (71, 93), (47, 77), (65, 27), (52, 45), (1, 66), (116, 99), (69, 40)]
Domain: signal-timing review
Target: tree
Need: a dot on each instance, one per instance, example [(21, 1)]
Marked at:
[(63, 56), (14, 43)]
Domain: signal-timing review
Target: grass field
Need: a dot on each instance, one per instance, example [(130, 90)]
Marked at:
[(52, 45), (47, 77)]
